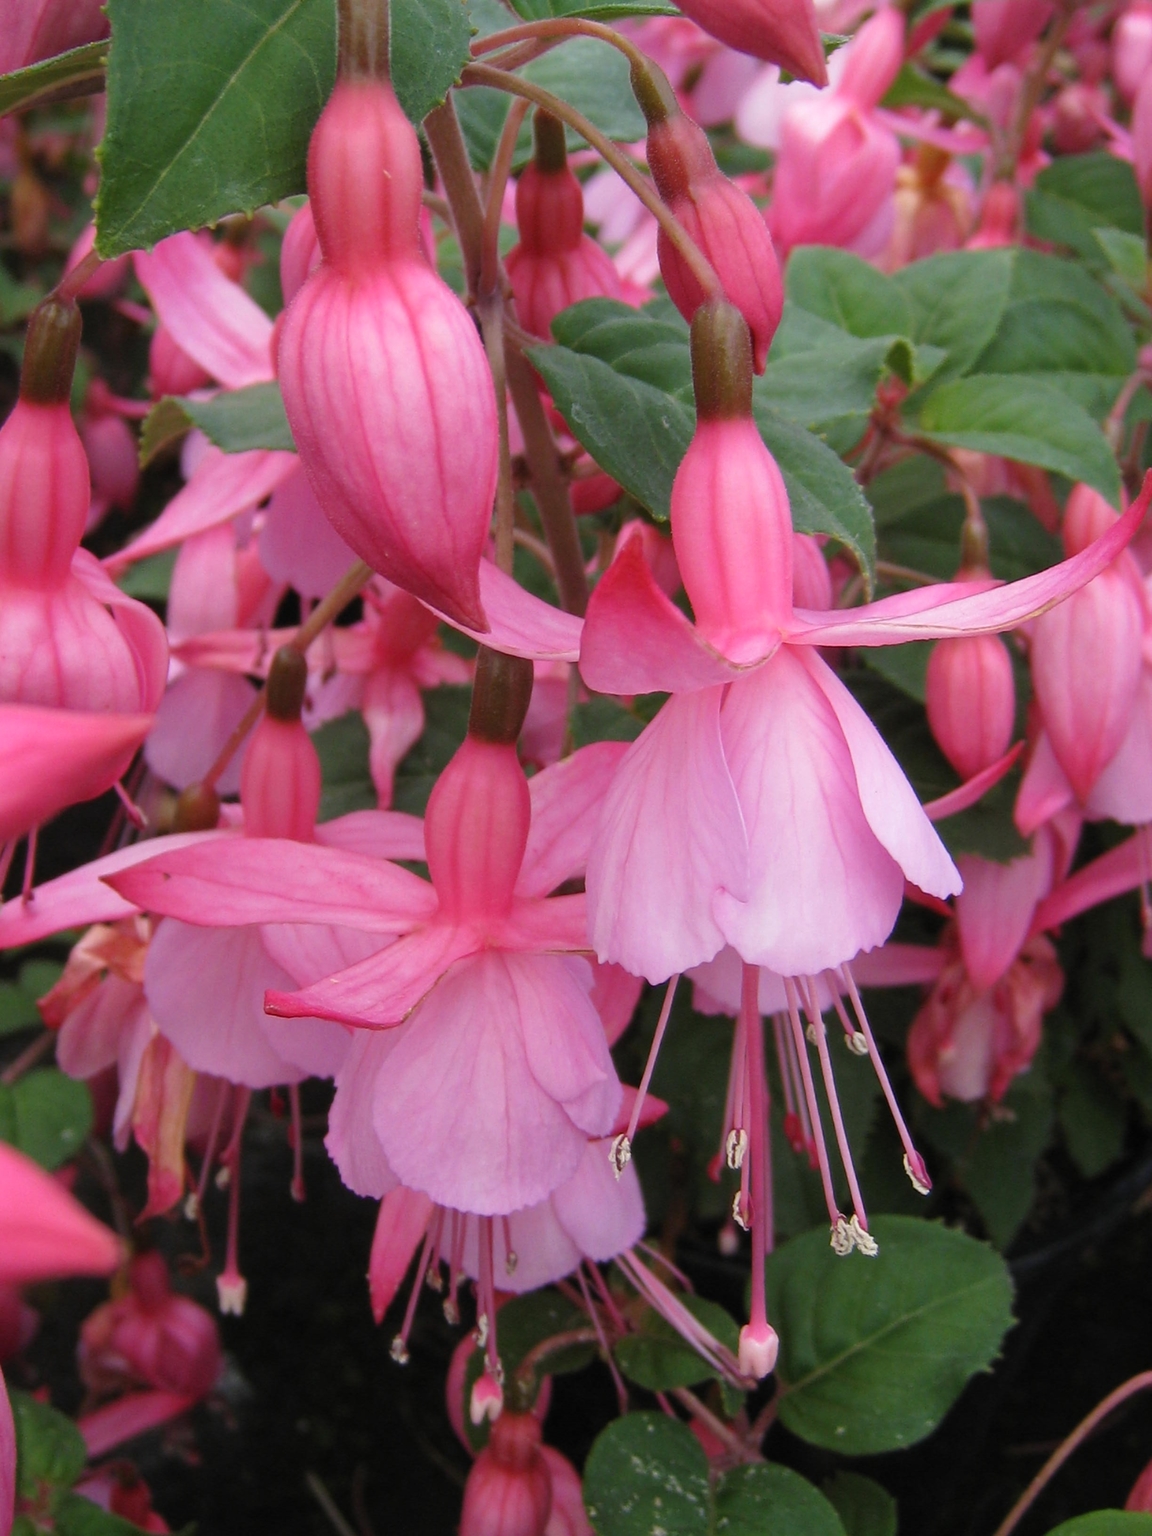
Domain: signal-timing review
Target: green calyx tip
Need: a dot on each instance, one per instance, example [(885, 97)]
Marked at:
[(500, 697), (50, 349), (287, 681), (721, 362), (197, 809), (654, 94), (551, 151)]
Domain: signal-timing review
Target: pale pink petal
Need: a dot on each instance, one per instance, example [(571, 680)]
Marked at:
[(987, 612), (222, 486), (994, 911), (275, 880), (209, 317), (615, 994), (298, 544), (400, 1227), (602, 1214), (543, 1252), (232, 650), (460, 1112), (564, 1038), (81, 897), (671, 835), (972, 789), (378, 834), (394, 714), (196, 717), (1120, 869), (135, 1039), (308, 952), (1123, 791), (898, 965), (203, 594), (821, 886), (637, 641), (53, 758), (383, 989), (352, 1141), (566, 801), (89, 1038), (205, 987), (1044, 791), (889, 801), (520, 624)]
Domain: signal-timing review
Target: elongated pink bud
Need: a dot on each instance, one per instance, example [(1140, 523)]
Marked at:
[(723, 221), (555, 264), (731, 523), (509, 1489), (476, 829), (783, 32), (385, 382), (971, 699), (1142, 139), (280, 781), (1140, 1497)]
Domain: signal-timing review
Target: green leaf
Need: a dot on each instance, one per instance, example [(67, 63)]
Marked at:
[(1092, 1117), (78, 72), (429, 45), (752, 1500), (342, 746), (210, 108), (955, 302), (647, 1475), (49, 1448), (658, 1359), (847, 292), (999, 1172), (1078, 194), (75, 1515), (46, 1115), (865, 1509), (875, 1351), (914, 87), (927, 539), (236, 420), (1126, 254), (622, 380), (150, 579), (1024, 420), (1106, 1522), (17, 1008)]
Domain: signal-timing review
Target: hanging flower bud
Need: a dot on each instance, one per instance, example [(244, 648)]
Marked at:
[(731, 525), (971, 699), (999, 219), (509, 1489), (1004, 28), (836, 168), (1132, 48), (385, 381), (783, 32), (555, 264), (722, 220), (280, 782), (151, 1335)]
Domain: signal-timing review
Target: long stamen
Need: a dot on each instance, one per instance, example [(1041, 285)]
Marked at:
[(859, 1222), (433, 1279), (487, 1393), (195, 1201), (914, 1165), (6, 852), (835, 1216), (297, 1134), (399, 1346), (510, 1258), (602, 1338), (620, 1152), (759, 1344), (231, 1286), (455, 1267), (797, 1126), (29, 866), (673, 1310)]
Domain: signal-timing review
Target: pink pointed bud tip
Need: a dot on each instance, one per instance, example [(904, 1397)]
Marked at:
[(971, 701), (759, 1347), (476, 830)]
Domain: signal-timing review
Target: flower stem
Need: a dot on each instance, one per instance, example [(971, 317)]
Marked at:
[(442, 128), (1060, 1455), (559, 28)]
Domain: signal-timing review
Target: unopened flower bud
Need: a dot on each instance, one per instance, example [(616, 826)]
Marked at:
[(721, 219), (783, 32), (1132, 48), (280, 781), (971, 700), (476, 828), (509, 1489)]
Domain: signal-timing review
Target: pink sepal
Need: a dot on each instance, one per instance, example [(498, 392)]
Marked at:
[(1120, 869), (128, 1417), (136, 621), (274, 880), (209, 317), (53, 758), (46, 1234), (222, 486), (566, 800), (637, 641), (376, 834), (402, 1222), (973, 789), (520, 624)]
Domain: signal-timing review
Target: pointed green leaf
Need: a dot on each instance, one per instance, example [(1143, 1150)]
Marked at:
[(49, 1447), (78, 72)]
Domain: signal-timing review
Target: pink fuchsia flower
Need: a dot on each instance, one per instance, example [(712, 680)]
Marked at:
[(836, 170), (1132, 48), (555, 264), (482, 956), (509, 1489), (1094, 690), (150, 1336), (722, 220), (373, 313), (782, 32), (798, 828), (971, 701)]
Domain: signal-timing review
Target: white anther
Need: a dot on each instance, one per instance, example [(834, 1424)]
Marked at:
[(863, 1239), (510, 1263), (841, 1239), (917, 1183), (191, 1206), (480, 1334)]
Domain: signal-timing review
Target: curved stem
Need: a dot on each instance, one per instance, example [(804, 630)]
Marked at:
[(350, 585), (1060, 1455), (69, 286), (490, 308), (559, 27), (498, 180), (702, 269), (442, 128)]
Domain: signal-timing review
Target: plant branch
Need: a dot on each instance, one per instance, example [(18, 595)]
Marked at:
[(442, 127), (1060, 1455), (560, 28), (724, 1432)]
